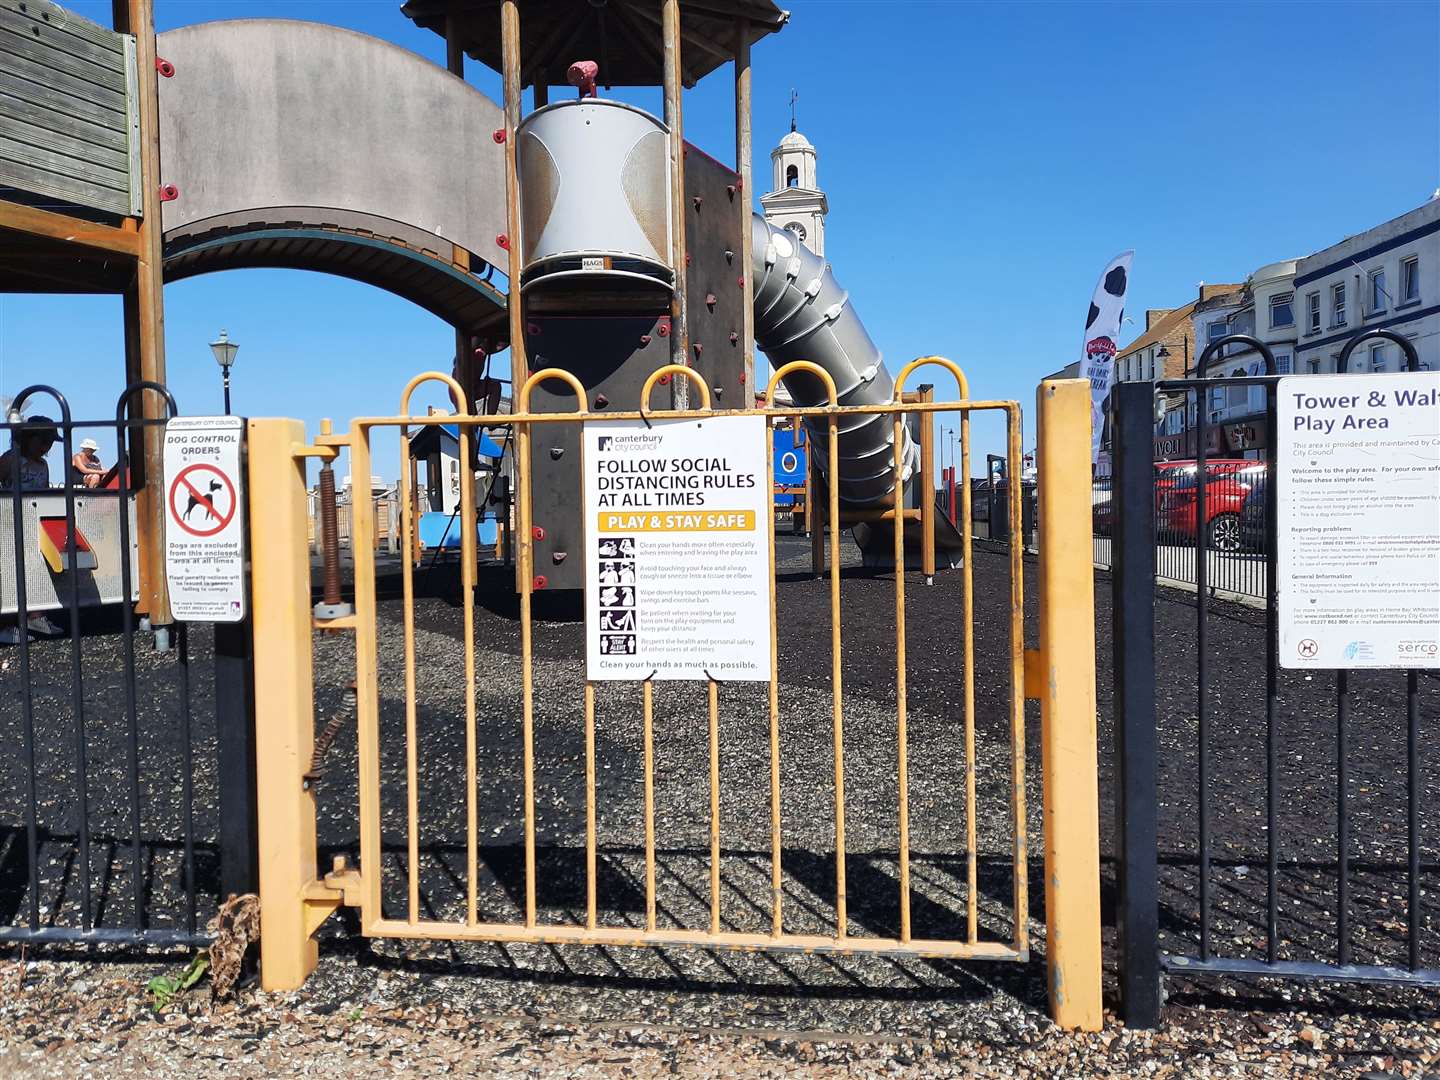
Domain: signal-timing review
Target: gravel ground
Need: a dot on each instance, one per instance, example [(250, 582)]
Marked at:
[(423, 1007), (63, 1019)]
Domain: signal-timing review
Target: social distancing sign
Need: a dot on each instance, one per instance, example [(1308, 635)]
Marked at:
[(677, 560), (205, 518)]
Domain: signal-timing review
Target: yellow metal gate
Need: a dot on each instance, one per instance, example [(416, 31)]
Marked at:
[(1061, 674)]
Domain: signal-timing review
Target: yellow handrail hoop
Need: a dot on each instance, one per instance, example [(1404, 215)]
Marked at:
[(433, 376), (523, 403), (800, 365), (920, 362), (673, 369)]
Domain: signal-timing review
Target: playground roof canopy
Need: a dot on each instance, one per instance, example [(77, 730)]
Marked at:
[(622, 36)]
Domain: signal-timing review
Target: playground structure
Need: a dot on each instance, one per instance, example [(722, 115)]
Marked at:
[(790, 467), (630, 247)]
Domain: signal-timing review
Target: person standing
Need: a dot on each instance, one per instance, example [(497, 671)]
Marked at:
[(24, 464)]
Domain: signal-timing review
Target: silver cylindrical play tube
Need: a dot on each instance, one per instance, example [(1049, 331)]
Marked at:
[(802, 313), (594, 196)]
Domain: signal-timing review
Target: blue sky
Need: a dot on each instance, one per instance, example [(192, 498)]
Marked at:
[(983, 162)]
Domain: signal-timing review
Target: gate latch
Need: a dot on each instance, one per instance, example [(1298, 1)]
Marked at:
[(340, 888)]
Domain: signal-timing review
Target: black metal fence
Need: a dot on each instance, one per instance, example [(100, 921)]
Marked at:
[(1229, 537), (990, 511), (102, 836), (1289, 840)]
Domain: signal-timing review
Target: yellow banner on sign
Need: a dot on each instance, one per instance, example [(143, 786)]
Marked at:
[(611, 521)]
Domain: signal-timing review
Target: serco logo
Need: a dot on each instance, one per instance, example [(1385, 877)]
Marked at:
[(1424, 648)]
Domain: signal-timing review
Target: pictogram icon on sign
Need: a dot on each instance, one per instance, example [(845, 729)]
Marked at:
[(1308, 648), (202, 500)]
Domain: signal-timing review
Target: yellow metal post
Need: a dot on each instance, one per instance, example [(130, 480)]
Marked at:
[(284, 699), (926, 488), (1067, 706)]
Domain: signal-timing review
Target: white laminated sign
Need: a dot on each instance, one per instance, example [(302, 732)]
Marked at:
[(205, 518), (677, 554), (1358, 476)]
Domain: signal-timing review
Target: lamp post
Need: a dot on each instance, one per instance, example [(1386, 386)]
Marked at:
[(1162, 354), (225, 350)]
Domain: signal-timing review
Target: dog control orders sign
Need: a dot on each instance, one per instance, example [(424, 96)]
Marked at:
[(1358, 475), (205, 518), (677, 555)]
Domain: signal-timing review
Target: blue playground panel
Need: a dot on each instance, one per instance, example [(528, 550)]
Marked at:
[(443, 530), (789, 463)]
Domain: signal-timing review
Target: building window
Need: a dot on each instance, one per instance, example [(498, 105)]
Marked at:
[(1377, 357), (1282, 310), (1337, 304), (1282, 363), (1377, 291), (1239, 395), (1312, 313), (1215, 331), (1312, 367), (792, 176), (1410, 280)]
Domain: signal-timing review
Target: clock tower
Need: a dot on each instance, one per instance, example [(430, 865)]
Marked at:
[(795, 201)]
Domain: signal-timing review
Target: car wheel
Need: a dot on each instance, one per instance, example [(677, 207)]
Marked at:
[(1225, 532)]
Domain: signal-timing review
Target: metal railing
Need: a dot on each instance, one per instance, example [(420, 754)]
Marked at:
[(1230, 538), (1260, 938), (295, 906), (412, 925), (154, 907), (990, 512)]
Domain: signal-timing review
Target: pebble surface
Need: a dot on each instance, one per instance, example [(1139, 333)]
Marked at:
[(63, 1019)]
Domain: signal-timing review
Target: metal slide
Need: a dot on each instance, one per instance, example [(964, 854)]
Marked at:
[(802, 313)]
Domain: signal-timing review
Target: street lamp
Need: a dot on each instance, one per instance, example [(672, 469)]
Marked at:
[(225, 350)]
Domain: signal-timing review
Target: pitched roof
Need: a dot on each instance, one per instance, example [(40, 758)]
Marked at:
[(1161, 331)]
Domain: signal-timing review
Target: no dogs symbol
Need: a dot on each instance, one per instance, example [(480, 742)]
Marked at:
[(202, 500)]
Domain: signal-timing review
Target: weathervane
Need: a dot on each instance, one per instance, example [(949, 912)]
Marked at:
[(794, 97)]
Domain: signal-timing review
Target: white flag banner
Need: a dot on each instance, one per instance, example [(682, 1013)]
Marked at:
[(1102, 328)]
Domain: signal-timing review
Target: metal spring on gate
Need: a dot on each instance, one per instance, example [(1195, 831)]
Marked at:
[(316, 772)]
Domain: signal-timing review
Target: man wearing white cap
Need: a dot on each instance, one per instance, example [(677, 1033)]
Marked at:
[(85, 467)]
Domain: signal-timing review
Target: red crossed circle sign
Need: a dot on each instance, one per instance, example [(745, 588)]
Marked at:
[(193, 496)]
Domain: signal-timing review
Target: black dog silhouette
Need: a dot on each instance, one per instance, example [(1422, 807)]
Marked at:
[(195, 501)]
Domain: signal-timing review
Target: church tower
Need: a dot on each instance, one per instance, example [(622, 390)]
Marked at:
[(795, 201)]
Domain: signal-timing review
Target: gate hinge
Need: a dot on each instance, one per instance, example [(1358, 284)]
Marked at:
[(339, 888), (1034, 674)]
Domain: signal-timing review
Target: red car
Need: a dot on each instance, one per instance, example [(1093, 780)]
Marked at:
[(1102, 497), (1227, 482)]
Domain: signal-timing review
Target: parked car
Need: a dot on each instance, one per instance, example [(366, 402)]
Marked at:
[(1227, 482), (1167, 475), (1252, 512)]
